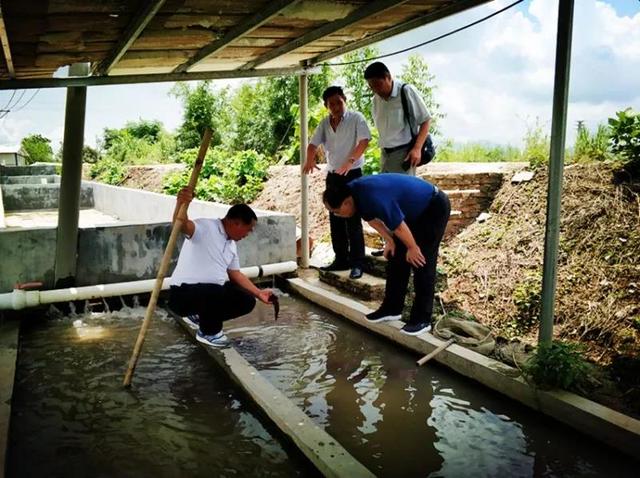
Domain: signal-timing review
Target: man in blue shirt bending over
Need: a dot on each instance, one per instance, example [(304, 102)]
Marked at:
[(411, 214)]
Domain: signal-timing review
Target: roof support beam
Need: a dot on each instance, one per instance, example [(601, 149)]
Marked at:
[(365, 11), (149, 78), (259, 19), (420, 21), (134, 29), (5, 46)]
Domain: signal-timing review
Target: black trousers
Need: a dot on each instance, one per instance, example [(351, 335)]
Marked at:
[(347, 238), (212, 302), (428, 230)]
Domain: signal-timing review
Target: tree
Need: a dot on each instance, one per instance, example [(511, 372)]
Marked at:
[(37, 148), (416, 72), (204, 107), (359, 96)]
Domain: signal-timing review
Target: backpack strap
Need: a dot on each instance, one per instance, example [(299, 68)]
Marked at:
[(405, 109)]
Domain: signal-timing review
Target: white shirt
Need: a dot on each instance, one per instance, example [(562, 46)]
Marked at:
[(389, 117), (206, 256), (338, 144)]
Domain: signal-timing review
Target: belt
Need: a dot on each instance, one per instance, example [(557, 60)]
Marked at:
[(397, 148)]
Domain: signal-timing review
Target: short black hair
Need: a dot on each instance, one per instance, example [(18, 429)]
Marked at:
[(335, 195), (242, 212), (376, 69), (331, 91)]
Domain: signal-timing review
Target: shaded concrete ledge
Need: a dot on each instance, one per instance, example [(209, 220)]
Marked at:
[(326, 454), (604, 424), (8, 355)]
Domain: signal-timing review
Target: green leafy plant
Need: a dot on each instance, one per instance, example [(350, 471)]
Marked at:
[(108, 170), (476, 153), (228, 177), (37, 148), (558, 365), (625, 140), (591, 147), (527, 297), (536, 147)]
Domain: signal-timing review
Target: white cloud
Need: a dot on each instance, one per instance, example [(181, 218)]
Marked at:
[(496, 78)]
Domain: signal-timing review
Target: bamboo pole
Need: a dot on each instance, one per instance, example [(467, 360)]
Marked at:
[(435, 352), (166, 258)]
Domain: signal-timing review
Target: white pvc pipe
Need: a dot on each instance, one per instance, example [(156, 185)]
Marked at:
[(20, 299)]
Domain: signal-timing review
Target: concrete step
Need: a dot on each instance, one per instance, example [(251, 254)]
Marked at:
[(377, 266), (368, 287), (21, 197), (34, 170), (39, 179)]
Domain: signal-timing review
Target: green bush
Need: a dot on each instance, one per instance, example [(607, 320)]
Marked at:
[(37, 149), (527, 297), (590, 147), (625, 139), (536, 147), (447, 152), (108, 170), (227, 177), (558, 365)]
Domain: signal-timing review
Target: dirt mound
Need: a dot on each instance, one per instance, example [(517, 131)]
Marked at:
[(150, 177), (495, 267), (282, 193)]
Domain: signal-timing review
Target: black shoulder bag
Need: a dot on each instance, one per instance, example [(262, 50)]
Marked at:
[(428, 148)]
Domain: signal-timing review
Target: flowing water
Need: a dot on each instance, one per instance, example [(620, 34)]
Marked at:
[(183, 417), (403, 421)]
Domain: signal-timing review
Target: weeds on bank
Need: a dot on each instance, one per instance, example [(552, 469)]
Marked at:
[(558, 365)]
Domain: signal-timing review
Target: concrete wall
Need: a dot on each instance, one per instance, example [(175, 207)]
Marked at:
[(18, 197), (34, 170), (43, 179), (133, 250), (273, 239), (26, 255)]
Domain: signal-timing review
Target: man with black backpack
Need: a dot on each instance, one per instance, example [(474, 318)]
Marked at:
[(402, 120)]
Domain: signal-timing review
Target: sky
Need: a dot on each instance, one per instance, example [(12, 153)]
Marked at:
[(494, 80)]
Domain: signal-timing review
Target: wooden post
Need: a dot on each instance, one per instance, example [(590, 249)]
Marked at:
[(439, 349), (166, 258)]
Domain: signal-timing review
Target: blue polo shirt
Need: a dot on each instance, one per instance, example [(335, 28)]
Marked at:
[(390, 197)]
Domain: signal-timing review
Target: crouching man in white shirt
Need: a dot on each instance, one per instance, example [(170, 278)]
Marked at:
[(207, 285)]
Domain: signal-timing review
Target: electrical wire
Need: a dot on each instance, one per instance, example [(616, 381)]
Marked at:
[(452, 32), (27, 102)]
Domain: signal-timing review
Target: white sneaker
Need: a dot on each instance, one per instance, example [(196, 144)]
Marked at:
[(217, 340), (192, 321)]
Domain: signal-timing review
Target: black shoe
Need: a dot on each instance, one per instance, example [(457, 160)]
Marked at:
[(377, 253), (382, 315), (356, 273), (335, 266), (416, 329)]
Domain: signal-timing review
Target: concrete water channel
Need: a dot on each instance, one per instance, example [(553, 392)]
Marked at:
[(185, 418)]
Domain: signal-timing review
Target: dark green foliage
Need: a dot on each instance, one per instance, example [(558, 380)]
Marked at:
[(625, 140), (108, 170), (227, 177), (37, 148), (527, 297), (558, 365), (89, 155)]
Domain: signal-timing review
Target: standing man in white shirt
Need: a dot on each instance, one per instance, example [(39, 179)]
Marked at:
[(400, 143), (344, 136), (207, 285)]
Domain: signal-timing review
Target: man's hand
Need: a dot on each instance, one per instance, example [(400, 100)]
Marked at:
[(414, 156), (309, 167), (389, 249), (415, 257), (345, 168), (185, 196), (264, 295)]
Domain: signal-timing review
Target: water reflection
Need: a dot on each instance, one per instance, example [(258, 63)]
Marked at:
[(400, 420), (183, 417)]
